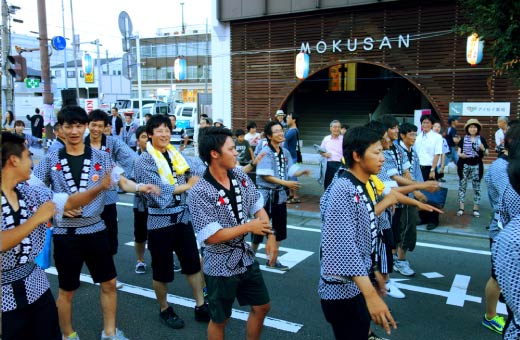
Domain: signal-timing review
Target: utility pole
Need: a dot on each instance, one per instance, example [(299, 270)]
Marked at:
[(8, 91), (48, 100)]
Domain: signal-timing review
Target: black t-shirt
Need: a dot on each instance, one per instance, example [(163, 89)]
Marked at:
[(76, 167), (452, 132), (36, 126)]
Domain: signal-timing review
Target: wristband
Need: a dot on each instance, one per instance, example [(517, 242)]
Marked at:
[(251, 163), (137, 186)]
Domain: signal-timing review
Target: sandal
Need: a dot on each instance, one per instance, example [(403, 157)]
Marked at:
[(460, 212), (293, 200), (476, 213)]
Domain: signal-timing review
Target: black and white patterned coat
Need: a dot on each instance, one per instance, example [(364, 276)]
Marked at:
[(121, 154), (53, 171), (506, 257), (269, 166), (23, 255), (165, 209), (497, 181), (346, 243), (211, 212), (509, 206)]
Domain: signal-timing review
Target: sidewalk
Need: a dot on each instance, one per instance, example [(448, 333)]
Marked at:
[(450, 223)]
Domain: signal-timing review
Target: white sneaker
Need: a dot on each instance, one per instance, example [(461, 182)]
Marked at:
[(403, 267), (393, 291), (119, 336), (119, 284)]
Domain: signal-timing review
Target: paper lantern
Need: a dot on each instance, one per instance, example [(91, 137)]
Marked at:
[(180, 68), (474, 49), (87, 63), (302, 65)]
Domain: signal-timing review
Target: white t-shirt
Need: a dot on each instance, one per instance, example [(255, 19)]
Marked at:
[(499, 137), (427, 146), (252, 138)]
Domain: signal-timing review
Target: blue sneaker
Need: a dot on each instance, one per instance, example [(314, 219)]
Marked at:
[(496, 324)]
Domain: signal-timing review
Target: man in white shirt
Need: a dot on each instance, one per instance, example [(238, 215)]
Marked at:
[(429, 149), (500, 134)]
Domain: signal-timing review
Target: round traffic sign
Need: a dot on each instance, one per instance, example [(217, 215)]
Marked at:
[(58, 43), (125, 24)]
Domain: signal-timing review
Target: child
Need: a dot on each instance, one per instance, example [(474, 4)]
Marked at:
[(245, 152)]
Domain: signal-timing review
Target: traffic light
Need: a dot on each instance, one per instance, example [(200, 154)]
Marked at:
[(18, 67)]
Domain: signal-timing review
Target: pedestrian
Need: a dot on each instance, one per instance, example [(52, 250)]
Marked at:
[(344, 128), (506, 257), (81, 236), (333, 144), (168, 219), (439, 169), (252, 136), (348, 242), (178, 138), (36, 123), (272, 178), (128, 131), (429, 149), (28, 306), (120, 154), (59, 142), (502, 123), (245, 152), (280, 117), (472, 148), (453, 140), (497, 181), (140, 210), (116, 122), (219, 122), (221, 204), (9, 120), (30, 141), (292, 140)]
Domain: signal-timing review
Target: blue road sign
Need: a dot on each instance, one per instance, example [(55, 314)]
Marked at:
[(58, 43)]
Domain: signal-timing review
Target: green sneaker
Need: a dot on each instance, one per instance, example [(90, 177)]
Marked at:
[(496, 324)]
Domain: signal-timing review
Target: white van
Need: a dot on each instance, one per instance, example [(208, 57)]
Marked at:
[(156, 108), (187, 116)]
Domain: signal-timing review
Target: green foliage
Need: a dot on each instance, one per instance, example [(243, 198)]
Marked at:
[(498, 22)]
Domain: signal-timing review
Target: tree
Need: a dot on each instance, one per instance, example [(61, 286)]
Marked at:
[(498, 22)]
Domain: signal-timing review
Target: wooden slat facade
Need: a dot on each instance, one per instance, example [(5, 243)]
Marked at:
[(264, 50)]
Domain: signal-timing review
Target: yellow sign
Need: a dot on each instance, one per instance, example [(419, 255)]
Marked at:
[(89, 77)]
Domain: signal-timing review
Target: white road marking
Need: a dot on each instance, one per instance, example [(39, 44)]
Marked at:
[(190, 303), (458, 290), (437, 292), (459, 249), (432, 275)]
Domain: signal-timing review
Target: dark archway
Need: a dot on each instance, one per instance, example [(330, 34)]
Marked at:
[(379, 90)]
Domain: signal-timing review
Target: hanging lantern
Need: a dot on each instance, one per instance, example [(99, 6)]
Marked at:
[(87, 63), (302, 65), (179, 68), (474, 49)]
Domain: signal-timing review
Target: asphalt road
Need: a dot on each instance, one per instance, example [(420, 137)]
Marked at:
[(444, 299)]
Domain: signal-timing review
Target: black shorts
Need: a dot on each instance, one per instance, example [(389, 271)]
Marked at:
[(140, 230), (71, 251), (408, 238), (38, 320), (349, 318), (278, 215), (109, 215), (178, 238), (248, 288), (396, 225)]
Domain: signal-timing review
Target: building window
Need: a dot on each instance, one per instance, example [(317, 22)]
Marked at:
[(71, 74), (81, 74), (57, 73)]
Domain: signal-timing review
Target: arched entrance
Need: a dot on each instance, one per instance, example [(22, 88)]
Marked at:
[(376, 90)]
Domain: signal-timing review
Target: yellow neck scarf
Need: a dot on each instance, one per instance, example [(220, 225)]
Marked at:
[(178, 162)]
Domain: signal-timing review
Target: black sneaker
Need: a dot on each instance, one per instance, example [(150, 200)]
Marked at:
[(202, 313), (171, 319)]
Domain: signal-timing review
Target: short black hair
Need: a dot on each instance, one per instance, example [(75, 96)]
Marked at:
[(148, 115), (213, 138), (12, 145), (513, 122), (512, 141), (37, 110), (19, 123), (157, 120), (378, 127), (139, 131), (98, 116), (250, 125), (56, 126), (451, 119), (268, 128), (115, 108), (345, 126), (358, 140), (72, 114), (406, 128), (239, 132), (389, 121), (429, 117), (513, 171)]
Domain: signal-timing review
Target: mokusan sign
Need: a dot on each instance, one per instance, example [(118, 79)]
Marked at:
[(351, 45)]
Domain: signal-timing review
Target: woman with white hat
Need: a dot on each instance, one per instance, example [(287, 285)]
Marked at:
[(471, 149)]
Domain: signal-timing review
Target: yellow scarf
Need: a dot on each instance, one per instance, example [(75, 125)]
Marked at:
[(380, 187), (178, 162)]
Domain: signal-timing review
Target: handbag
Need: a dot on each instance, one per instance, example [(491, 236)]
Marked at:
[(299, 158), (44, 258), (437, 198)]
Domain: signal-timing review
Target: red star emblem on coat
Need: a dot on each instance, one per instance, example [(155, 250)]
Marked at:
[(221, 200), (244, 183), (58, 166), (97, 166), (107, 150)]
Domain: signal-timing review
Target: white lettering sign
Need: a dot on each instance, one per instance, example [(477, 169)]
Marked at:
[(368, 43)]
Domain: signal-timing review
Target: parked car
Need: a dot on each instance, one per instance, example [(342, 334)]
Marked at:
[(187, 116), (159, 107), (133, 104)]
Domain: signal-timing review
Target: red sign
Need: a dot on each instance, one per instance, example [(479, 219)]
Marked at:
[(89, 105)]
